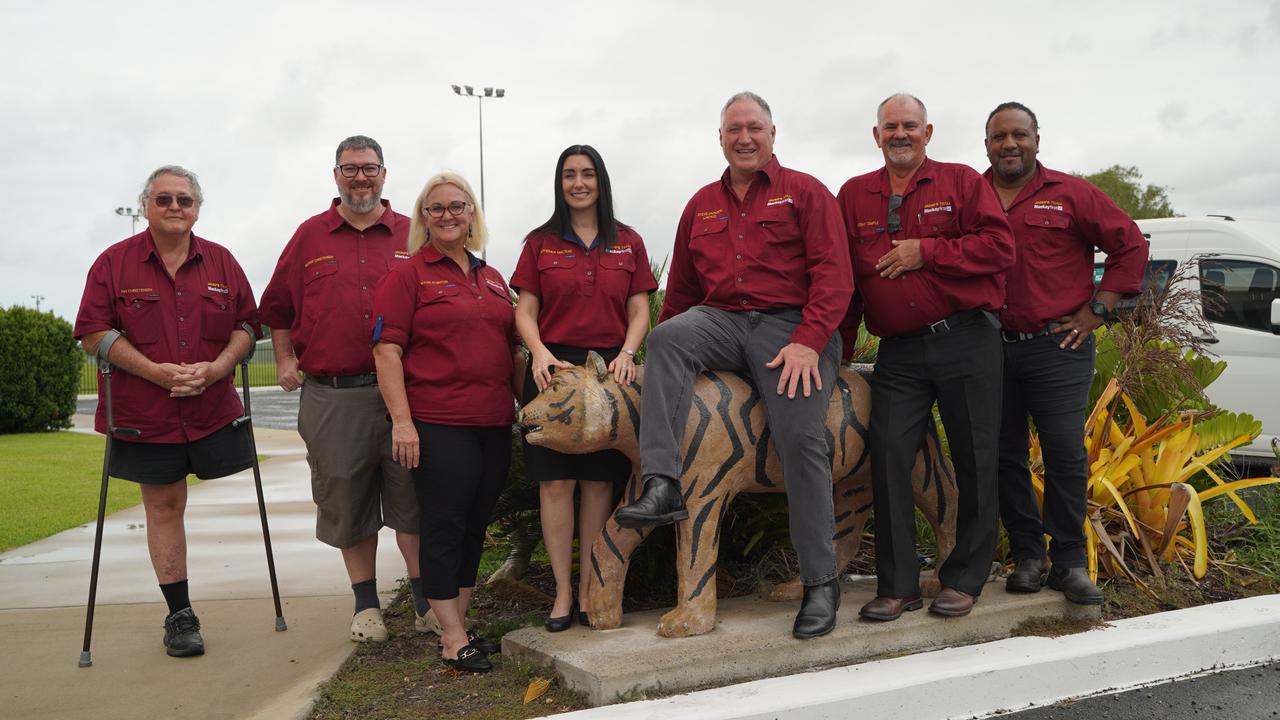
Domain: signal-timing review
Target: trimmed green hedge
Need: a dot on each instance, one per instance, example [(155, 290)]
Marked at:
[(39, 371)]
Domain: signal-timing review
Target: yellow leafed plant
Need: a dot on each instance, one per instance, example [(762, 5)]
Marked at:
[(1141, 509)]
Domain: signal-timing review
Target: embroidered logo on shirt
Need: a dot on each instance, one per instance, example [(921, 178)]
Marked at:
[(219, 288), (321, 259), (933, 207), (402, 255), (712, 215), (433, 282), (868, 223), (496, 285), (619, 250), (784, 200), (1049, 205)]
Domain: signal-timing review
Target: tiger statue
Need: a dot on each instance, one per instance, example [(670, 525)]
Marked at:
[(727, 450)]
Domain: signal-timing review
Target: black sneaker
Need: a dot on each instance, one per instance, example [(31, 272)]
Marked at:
[(182, 634)]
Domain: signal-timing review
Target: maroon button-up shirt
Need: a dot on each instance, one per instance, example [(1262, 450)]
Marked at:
[(781, 246), (458, 335), (1058, 220), (322, 288), (966, 247), (582, 293), (188, 318)]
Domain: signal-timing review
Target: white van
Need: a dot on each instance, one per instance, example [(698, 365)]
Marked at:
[(1243, 272)]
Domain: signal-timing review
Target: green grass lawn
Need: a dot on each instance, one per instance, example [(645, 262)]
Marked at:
[(49, 482), (262, 373)]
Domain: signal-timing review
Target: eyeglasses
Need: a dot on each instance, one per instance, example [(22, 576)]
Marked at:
[(894, 222), (164, 200), (455, 209), (370, 170)]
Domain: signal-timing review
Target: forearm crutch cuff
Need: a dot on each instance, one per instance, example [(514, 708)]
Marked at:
[(104, 346)]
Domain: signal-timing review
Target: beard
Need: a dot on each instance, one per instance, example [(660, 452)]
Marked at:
[(902, 155), (1010, 172), (361, 207)]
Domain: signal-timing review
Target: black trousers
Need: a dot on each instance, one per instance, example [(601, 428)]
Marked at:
[(1052, 385), (960, 369), (458, 479)]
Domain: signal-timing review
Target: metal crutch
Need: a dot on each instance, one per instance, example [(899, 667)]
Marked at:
[(247, 419), (104, 368)]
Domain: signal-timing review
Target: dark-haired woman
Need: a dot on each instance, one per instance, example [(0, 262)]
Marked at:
[(584, 281)]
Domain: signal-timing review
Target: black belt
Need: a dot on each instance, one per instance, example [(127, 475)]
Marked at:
[(342, 382), (950, 322), (1013, 336)]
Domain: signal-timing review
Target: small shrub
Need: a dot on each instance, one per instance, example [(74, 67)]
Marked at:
[(39, 371)]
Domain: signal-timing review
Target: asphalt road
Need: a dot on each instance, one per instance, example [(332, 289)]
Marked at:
[(1251, 694), (272, 408)]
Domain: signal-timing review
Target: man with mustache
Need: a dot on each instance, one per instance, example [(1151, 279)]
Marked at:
[(318, 306), (930, 248), (1049, 317), (759, 277)]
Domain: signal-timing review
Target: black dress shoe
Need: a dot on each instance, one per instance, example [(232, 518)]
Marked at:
[(1027, 576), (1076, 585), (484, 644), (561, 623), (817, 614), (659, 504), (470, 659)]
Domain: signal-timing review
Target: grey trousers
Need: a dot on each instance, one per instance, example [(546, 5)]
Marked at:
[(704, 338)]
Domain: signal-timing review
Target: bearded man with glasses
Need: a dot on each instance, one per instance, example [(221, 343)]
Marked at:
[(318, 305), (930, 247)]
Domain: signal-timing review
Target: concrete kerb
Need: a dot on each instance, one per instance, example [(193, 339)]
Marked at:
[(982, 680)]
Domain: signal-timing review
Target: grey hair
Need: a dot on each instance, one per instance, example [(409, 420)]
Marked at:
[(176, 171), (357, 142), (924, 113), (746, 95)]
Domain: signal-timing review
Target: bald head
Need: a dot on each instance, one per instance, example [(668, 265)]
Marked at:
[(924, 113)]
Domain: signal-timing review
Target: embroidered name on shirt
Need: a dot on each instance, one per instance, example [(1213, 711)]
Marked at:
[(219, 288), (552, 251), (1049, 205), (933, 207), (321, 259), (402, 255), (784, 200), (712, 215), (432, 282), (868, 223), (619, 250), (138, 291)]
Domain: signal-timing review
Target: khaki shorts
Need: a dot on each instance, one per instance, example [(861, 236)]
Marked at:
[(356, 485)]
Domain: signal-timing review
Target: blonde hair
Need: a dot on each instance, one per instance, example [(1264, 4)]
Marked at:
[(478, 233)]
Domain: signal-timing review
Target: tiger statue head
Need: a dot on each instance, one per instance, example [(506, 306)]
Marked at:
[(583, 410)]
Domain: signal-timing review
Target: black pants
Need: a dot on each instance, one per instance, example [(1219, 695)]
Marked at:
[(960, 369), (458, 479), (1052, 385)]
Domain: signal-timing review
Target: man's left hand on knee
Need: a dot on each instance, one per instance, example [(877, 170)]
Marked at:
[(799, 367)]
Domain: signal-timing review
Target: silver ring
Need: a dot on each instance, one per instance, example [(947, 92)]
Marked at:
[(1075, 332)]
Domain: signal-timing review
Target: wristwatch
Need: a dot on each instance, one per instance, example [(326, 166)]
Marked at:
[(632, 353), (1099, 308)]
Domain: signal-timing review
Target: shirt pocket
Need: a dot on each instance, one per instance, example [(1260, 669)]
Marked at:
[(1051, 219), (318, 276), (623, 261), (218, 317), (939, 224), (432, 294), (781, 233), (141, 318), (553, 261)]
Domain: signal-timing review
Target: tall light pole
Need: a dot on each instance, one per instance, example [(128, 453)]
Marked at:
[(132, 213), (37, 298), (487, 93)]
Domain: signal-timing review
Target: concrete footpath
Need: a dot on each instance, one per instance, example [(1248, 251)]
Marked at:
[(249, 669)]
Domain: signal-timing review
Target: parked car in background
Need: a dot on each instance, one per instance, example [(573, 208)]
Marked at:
[(1238, 263)]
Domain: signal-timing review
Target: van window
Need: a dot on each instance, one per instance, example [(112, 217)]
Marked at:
[(1238, 292), (1157, 275)]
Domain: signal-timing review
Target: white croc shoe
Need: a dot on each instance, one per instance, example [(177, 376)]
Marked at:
[(427, 623), (367, 626)]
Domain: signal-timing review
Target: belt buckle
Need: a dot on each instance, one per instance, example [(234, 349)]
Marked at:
[(940, 326)]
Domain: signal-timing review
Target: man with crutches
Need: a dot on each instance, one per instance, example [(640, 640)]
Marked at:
[(176, 315), (318, 306)]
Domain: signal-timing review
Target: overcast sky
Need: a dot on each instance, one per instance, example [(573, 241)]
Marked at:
[(254, 97)]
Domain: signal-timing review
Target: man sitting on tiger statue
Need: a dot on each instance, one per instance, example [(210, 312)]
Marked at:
[(759, 281)]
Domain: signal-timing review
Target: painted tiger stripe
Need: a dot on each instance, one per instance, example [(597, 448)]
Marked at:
[(704, 419), (762, 458), (864, 508), (595, 564), (613, 416), (706, 577), (856, 490), (633, 412), (842, 516), (567, 398), (736, 454), (698, 522), (745, 413), (608, 541)]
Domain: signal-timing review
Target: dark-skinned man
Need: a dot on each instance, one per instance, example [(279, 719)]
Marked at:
[(1050, 313), (930, 249)]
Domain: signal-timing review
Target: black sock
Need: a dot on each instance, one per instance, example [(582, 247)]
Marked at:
[(175, 594), (366, 594), (419, 602)]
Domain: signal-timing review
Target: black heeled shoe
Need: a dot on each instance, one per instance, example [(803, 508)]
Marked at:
[(583, 620), (561, 623)]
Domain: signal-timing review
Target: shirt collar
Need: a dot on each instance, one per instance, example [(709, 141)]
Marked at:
[(194, 249), (924, 173), (334, 220), (431, 254), (772, 170), (1043, 176), (572, 238)]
